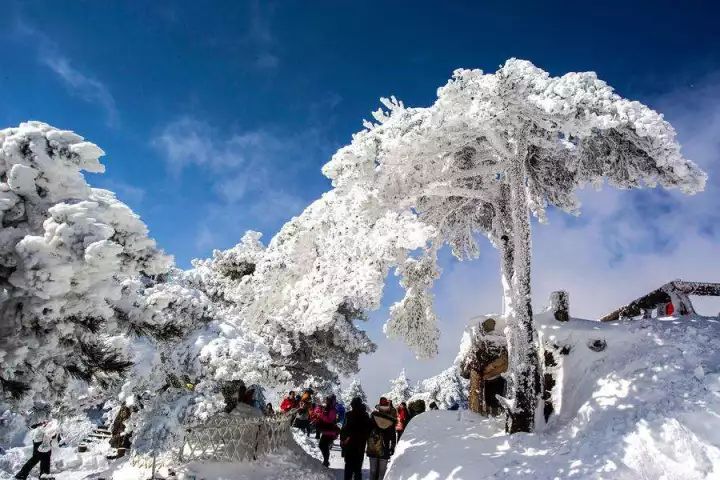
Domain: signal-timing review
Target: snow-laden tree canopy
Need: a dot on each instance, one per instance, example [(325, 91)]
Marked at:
[(232, 348), (66, 251), (92, 309), (449, 163), (321, 273), (491, 149)]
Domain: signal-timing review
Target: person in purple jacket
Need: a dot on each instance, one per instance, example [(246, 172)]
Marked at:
[(327, 425)]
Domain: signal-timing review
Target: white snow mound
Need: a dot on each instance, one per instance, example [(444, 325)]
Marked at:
[(646, 407)]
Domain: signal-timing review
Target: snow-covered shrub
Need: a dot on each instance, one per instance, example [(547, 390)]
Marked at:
[(13, 428)]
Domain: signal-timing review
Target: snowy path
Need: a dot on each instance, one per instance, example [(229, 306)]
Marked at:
[(337, 463)]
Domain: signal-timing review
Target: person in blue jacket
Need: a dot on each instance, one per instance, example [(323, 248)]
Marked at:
[(340, 408)]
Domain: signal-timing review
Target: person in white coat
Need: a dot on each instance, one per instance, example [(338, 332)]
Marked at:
[(45, 436)]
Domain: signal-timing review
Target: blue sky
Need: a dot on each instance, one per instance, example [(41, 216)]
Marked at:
[(217, 116)]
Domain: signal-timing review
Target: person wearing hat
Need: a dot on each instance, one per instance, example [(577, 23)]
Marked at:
[(353, 438), (381, 442)]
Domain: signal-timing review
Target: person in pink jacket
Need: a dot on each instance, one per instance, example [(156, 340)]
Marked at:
[(327, 425)]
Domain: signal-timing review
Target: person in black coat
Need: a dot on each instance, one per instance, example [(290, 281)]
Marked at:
[(353, 438)]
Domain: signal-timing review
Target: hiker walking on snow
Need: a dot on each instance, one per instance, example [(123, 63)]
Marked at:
[(288, 402), (340, 408), (327, 426), (302, 419), (353, 438), (315, 414), (402, 419), (381, 442), (45, 436)]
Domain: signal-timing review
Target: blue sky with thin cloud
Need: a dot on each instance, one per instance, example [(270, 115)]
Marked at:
[(217, 116)]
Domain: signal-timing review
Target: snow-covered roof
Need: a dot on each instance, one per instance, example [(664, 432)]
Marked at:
[(675, 290)]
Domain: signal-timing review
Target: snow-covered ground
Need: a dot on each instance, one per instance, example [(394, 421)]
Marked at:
[(337, 463), (647, 407), (292, 464)]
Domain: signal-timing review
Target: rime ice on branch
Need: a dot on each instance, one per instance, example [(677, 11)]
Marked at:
[(66, 251), (490, 150)]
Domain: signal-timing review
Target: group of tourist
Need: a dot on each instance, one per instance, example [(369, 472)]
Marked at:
[(374, 435)]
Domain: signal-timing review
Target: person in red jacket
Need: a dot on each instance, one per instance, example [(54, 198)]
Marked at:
[(402, 418), (288, 403)]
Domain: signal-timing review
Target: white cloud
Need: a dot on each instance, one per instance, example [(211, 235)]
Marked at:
[(255, 163), (87, 88), (253, 175), (278, 203), (266, 60), (205, 238), (261, 37), (81, 84)]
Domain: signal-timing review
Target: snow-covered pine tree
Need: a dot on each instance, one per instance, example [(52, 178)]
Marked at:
[(445, 388), (66, 251), (400, 390), (354, 390), (491, 149)]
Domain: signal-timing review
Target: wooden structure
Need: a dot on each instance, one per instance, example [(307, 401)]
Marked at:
[(671, 298), (484, 366), (487, 360)]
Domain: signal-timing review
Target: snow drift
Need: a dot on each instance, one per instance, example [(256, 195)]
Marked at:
[(645, 407)]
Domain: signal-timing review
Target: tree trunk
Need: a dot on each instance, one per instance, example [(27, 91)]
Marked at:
[(477, 392), (524, 372), (507, 257)]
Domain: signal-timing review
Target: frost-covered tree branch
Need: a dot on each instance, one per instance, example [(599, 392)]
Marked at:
[(492, 148), (66, 250)]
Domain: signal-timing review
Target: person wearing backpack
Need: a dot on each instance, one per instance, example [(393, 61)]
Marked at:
[(353, 438), (316, 410), (302, 417), (381, 442)]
